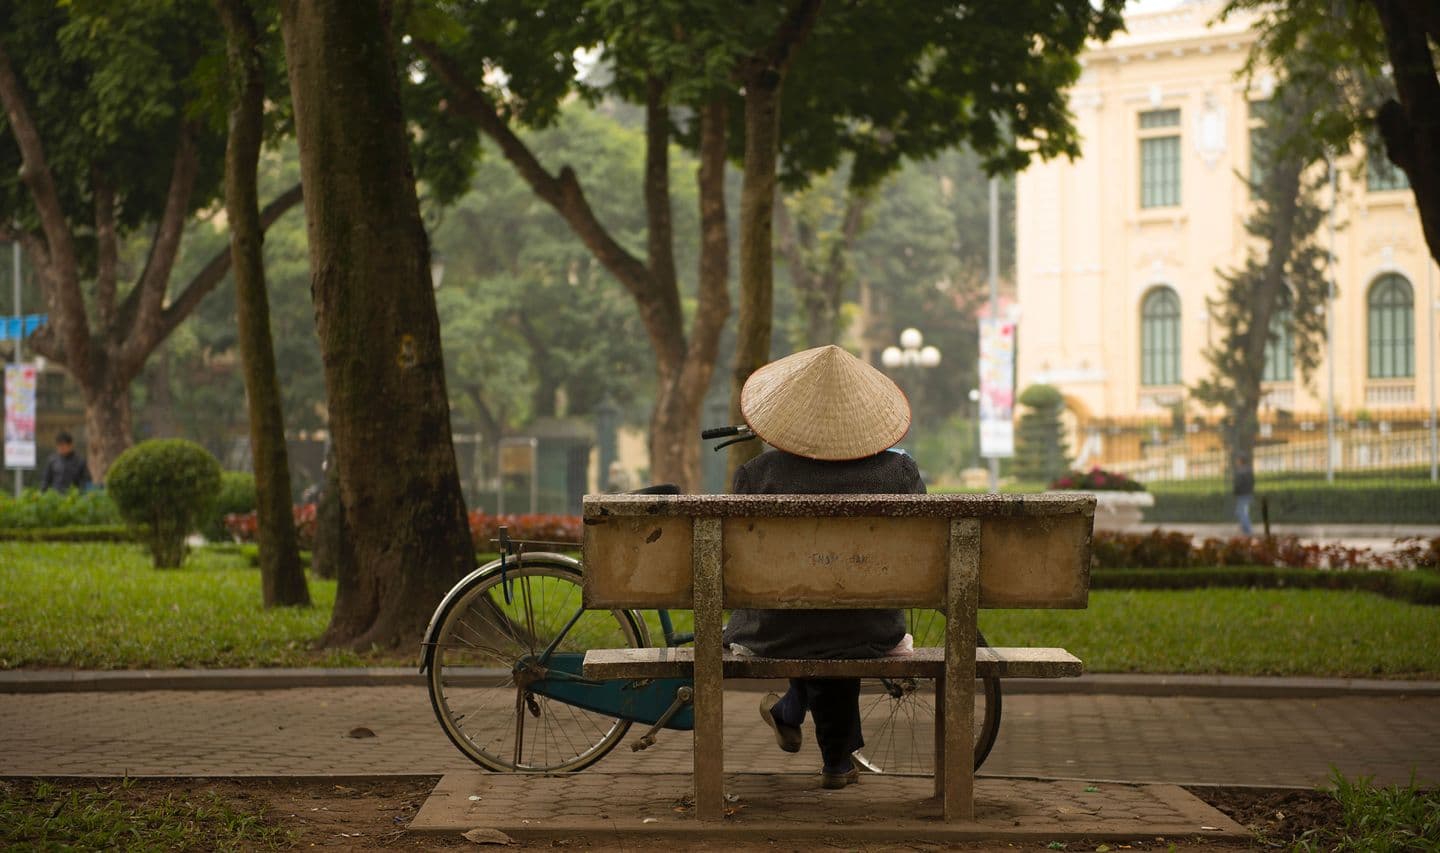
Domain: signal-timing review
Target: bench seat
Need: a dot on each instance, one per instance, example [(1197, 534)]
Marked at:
[(924, 663)]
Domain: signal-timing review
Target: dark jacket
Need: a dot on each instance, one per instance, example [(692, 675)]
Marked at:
[(822, 633), (63, 473), (1244, 481)]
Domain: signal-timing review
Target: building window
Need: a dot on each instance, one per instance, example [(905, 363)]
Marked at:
[(1380, 174), (1160, 338), (1160, 158), (1279, 349), (1392, 328)]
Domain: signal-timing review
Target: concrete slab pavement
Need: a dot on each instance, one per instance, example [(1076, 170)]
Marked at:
[(307, 732)]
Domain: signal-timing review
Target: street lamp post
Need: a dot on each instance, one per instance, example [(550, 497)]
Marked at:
[(910, 353)]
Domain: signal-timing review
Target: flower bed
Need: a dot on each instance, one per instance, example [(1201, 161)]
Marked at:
[(1097, 479)]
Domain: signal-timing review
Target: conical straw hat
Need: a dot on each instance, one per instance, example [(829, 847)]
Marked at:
[(825, 403)]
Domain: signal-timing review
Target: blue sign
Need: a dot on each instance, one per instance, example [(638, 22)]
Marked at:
[(14, 327)]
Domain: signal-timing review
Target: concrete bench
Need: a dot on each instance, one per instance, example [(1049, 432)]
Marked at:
[(955, 553)]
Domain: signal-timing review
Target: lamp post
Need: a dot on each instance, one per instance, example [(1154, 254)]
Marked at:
[(975, 414)]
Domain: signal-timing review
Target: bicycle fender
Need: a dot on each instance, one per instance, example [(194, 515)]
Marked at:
[(427, 646)]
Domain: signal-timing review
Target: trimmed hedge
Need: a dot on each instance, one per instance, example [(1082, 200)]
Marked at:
[(57, 509), (73, 533), (1416, 587), (1303, 502)]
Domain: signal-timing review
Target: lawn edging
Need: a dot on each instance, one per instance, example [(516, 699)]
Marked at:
[(1414, 586)]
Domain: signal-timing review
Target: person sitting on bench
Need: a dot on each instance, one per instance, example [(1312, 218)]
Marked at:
[(833, 421)]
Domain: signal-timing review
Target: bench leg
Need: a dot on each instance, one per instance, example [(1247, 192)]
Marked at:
[(957, 688), (709, 691), (940, 738)]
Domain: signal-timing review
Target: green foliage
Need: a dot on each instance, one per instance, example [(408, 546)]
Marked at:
[(237, 496), (1302, 501), (35, 509), (169, 486), (106, 815), (109, 85), (1042, 451), (1379, 819)]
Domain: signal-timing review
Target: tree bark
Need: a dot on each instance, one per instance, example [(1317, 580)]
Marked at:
[(333, 555), (282, 577), (763, 76), (1410, 126), (377, 323)]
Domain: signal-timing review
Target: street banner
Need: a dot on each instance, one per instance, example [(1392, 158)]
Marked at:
[(997, 388), (20, 416)]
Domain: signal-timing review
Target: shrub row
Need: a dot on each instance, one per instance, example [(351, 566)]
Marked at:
[(1159, 549), (1414, 587), (244, 527), (57, 509), (73, 533), (1304, 502)]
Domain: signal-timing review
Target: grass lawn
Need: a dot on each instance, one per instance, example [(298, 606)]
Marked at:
[(101, 606)]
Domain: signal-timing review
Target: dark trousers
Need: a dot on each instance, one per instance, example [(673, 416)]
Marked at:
[(834, 703)]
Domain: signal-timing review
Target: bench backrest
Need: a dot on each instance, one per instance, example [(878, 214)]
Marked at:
[(838, 551)]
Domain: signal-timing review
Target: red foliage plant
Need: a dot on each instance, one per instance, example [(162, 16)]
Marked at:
[(1097, 479), (1159, 549)]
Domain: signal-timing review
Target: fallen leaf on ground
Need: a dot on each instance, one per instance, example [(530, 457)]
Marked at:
[(359, 732), (481, 835)]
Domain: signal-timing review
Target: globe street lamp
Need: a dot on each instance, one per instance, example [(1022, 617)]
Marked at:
[(910, 353)]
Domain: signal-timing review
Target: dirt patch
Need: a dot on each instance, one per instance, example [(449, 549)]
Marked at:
[(1279, 817), (372, 814)]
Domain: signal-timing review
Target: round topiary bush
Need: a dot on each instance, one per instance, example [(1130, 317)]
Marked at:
[(1041, 449), (237, 497), (169, 487)]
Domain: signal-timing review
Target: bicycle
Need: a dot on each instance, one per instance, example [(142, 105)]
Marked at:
[(504, 653)]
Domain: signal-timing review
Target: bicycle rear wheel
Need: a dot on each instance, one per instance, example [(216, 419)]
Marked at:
[(898, 714), (490, 654)]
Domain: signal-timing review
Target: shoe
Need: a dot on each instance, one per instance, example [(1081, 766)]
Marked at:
[(835, 781), (788, 737)]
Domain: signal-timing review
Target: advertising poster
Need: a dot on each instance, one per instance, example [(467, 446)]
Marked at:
[(997, 388), (20, 415)]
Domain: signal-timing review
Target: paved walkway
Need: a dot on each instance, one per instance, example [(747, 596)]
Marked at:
[(307, 731)]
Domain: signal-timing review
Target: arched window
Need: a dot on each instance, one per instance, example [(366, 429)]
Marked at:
[(1392, 328), (1160, 338), (1279, 349)]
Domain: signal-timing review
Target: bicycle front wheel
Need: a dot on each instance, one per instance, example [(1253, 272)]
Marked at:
[(492, 649), (898, 714)]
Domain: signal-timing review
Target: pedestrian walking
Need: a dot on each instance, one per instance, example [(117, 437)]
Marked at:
[(65, 469), (1244, 491)]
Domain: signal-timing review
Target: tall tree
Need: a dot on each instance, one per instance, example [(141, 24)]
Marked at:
[(375, 314), (816, 234), (101, 102), (761, 74), (1279, 294), (1376, 63), (535, 53), (282, 577)]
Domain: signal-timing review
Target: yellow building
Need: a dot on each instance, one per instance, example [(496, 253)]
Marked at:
[(1118, 251)]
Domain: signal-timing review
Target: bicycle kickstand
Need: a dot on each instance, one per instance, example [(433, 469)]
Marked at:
[(684, 696)]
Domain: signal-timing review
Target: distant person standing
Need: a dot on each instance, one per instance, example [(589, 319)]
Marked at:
[(66, 469), (1244, 491)]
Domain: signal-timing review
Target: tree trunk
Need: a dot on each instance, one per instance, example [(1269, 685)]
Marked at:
[(282, 578), (1409, 126), (333, 556), (763, 76), (108, 427), (757, 272), (378, 328)]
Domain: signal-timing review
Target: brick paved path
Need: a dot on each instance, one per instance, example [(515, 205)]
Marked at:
[(304, 732)]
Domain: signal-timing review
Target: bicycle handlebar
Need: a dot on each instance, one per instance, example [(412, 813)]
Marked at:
[(722, 432)]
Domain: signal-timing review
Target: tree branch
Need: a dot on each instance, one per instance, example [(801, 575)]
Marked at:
[(214, 272), (713, 307), (659, 232), (67, 304), (563, 192), (141, 334), (777, 56)]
